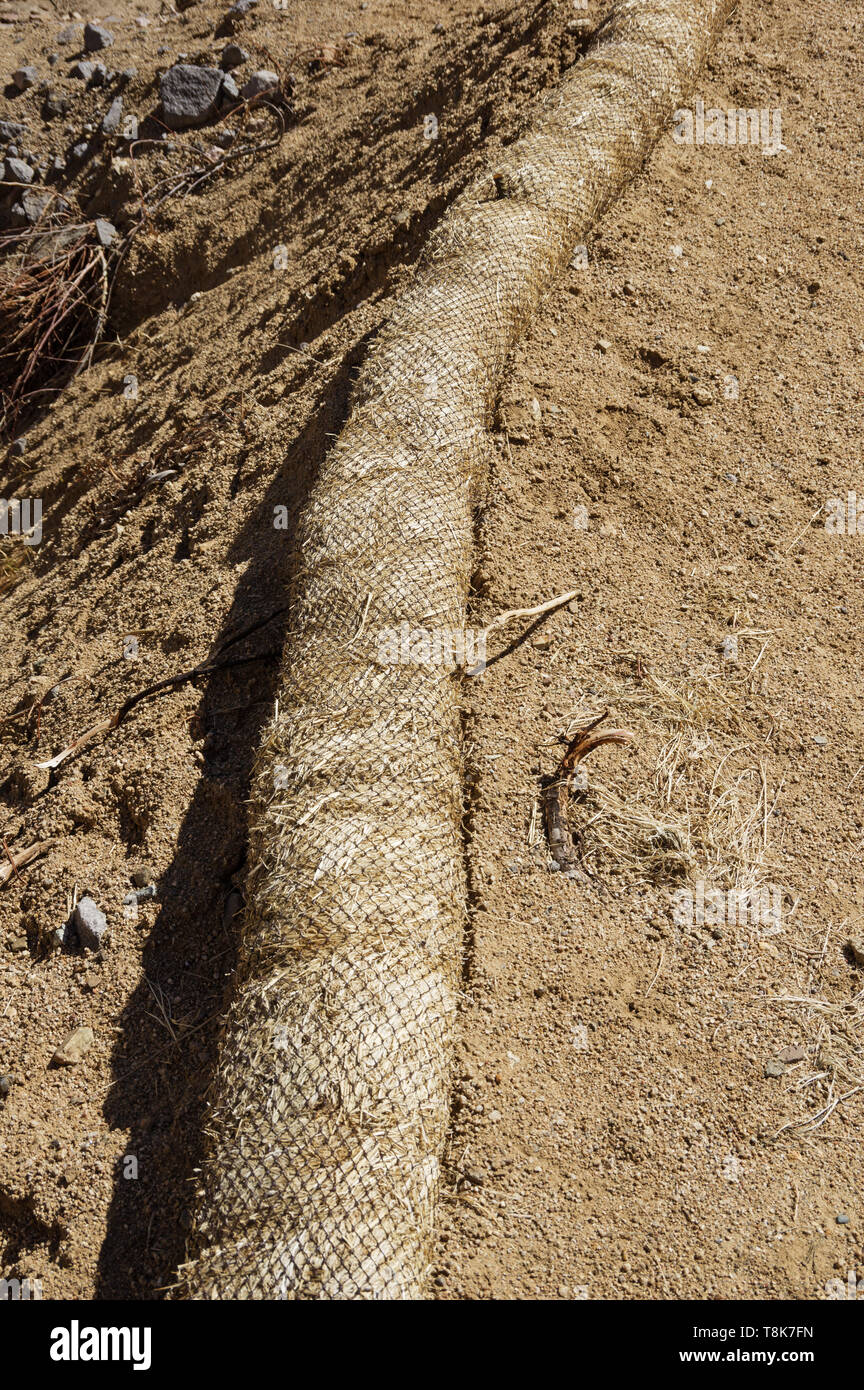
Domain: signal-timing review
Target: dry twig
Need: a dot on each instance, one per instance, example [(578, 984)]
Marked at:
[(557, 791)]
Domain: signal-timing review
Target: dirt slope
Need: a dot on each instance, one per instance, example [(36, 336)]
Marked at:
[(615, 1134), (614, 1131)]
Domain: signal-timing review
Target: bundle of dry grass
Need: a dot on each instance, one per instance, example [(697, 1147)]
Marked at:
[(330, 1104), (53, 297), (703, 809)]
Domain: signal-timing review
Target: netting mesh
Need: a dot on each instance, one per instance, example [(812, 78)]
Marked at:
[(330, 1103)]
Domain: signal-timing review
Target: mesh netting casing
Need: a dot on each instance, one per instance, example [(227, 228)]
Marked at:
[(330, 1103)]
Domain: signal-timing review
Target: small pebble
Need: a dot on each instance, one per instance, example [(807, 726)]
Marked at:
[(95, 37), (18, 171), (91, 922), (112, 117), (24, 78), (229, 91), (106, 232), (74, 1049), (857, 949), (259, 83), (233, 56)]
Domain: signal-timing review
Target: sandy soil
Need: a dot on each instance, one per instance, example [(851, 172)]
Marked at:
[(643, 1108)]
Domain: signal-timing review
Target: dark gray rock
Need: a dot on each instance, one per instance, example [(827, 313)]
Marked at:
[(31, 206), (24, 78), (233, 56), (189, 95), (18, 171), (81, 150), (56, 104), (83, 71), (71, 35), (230, 91), (259, 83), (106, 232), (10, 130), (112, 117), (92, 924), (95, 38)]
